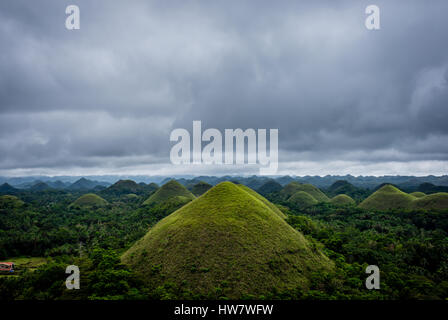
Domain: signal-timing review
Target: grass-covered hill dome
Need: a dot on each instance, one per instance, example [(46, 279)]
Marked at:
[(271, 206), (200, 188), (314, 191), (128, 186), (418, 194), (432, 201), (386, 198), (169, 190), (227, 239), (89, 200), (342, 200), (269, 187), (123, 187), (294, 187), (290, 189), (302, 199)]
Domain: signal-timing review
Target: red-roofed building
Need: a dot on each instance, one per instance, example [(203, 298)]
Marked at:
[(6, 266)]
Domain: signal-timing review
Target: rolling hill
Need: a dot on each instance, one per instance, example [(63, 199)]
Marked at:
[(170, 190), (290, 189), (341, 187), (386, 198), (7, 188), (227, 239), (127, 186), (294, 187), (432, 201), (200, 188), (342, 200), (89, 200), (345, 187), (269, 187), (40, 186), (314, 191), (418, 194), (124, 187), (302, 199), (86, 184)]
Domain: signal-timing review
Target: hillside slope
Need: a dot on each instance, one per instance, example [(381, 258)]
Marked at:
[(170, 190), (200, 188), (227, 239), (302, 199), (432, 201), (89, 200), (342, 200), (386, 198)]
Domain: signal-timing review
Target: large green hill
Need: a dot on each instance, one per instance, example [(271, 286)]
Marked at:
[(386, 198), (269, 187), (168, 191), (342, 200), (226, 240), (290, 189), (432, 201), (389, 197), (124, 187), (418, 194), (314, 191), (344, 187), (293, 187), (302, 199), (89, 200)]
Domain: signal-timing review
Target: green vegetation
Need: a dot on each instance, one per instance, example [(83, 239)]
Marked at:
[(227, 243), (314, 191), (89, 200), (169, 190), (418, 194), (388, 197), (269, 187), (200, 188), (289, 190), (123, 187), (10, 202), (295, 187), (302, 199), (7, 188), (432, 201), (271, 206), (342, 200), (29, 263), (344, 187), (205, 244)]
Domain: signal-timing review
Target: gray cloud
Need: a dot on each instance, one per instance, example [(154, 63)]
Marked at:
[(106, 97)]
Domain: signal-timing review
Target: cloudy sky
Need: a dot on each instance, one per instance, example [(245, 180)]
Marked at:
[(104, 99)]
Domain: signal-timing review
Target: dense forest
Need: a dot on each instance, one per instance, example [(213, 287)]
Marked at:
[(409, 245)]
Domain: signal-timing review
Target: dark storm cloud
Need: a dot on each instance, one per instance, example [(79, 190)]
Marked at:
[(108, 95)]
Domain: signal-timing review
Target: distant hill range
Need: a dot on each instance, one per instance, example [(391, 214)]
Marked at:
[(389, 197), (85, 184), (332, 185), (126, 187), (408, 183), (6, 188)]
